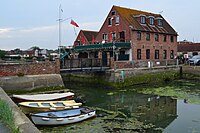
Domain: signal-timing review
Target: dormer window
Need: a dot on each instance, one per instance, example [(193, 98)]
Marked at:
[(160, 22), (143, 20), (151, 21)]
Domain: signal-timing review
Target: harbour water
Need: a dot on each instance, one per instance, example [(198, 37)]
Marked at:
[(130, 110)]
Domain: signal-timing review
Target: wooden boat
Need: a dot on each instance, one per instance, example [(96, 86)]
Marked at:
[(30, 107), (62, 117), (43, 97)]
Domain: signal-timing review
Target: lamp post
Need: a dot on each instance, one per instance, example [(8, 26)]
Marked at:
[(114, 55), (131, 27)]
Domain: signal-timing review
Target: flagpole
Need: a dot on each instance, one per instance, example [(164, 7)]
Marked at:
[(59, 28), (75, 31)]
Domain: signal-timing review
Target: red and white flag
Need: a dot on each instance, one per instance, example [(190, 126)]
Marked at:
[(74, 23), (93, 39)]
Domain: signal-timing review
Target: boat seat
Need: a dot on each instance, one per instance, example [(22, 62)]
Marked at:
[(85, 111), (52, 115)]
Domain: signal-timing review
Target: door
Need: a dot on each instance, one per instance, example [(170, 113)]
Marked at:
[(104, 58)]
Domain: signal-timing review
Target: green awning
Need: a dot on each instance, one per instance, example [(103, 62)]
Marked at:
[(102, 46)]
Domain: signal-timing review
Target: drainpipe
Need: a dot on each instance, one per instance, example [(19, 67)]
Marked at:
[(130, 53)]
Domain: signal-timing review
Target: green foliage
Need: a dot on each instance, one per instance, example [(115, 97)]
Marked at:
[(2, 54), (6, 116)]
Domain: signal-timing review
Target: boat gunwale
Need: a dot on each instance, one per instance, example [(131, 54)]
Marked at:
[(35, 114)]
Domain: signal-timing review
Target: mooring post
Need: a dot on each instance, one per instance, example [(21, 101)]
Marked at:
[(181, 72)]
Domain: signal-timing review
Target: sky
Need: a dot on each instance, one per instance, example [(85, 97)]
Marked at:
[(27, 23)]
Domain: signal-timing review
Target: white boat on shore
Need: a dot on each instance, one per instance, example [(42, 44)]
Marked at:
[(43, 97), (62, 117)]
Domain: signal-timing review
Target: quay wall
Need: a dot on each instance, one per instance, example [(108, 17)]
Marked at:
[(195, 70), (30, 68), (30, 82), (120, 77), (21, 121), (120, 74)]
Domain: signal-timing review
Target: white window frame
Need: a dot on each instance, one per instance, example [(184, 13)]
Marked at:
[(151, 21), (117, 19), (143, 20)]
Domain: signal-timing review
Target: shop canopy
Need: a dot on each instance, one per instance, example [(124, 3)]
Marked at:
[(102, 46)]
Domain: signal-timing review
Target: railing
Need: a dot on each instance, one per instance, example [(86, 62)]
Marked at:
[(83, 63)]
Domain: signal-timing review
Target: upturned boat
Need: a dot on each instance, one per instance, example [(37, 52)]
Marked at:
[(31, 107), (62, 117), (43, 97)]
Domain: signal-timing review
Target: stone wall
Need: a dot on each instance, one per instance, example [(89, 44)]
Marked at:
[(21, 121), (129, 72), (30, 82), (192, 70), (30, 68)]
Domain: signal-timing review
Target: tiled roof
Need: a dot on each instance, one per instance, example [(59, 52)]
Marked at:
[(188, 47), (131, 15), (88, 34)]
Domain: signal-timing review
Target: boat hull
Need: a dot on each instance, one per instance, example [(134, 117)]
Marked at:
[(43, 97), (42, 120), (34, 107)]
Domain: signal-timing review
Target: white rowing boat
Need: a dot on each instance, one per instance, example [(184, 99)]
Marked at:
[(62, 117), (43, 97)]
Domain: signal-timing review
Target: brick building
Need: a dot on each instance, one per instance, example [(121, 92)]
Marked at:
[(135, 37), (188, 49), (85, 37)]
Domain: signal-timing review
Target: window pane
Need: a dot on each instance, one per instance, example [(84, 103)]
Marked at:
[(159, 22), (165, 54), (151, 21), (143, 20), (138, 53), (138, 35), (172, 54), (172, 38), (156, 37), (148, 36), (148, 54), (109, 21), (117, 20), (156, 54), (164, 38)]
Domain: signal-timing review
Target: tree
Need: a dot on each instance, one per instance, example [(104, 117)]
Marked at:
[(2, 54)]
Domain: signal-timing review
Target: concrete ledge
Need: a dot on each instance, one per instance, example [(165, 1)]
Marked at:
[(30, 82), (21, 121)]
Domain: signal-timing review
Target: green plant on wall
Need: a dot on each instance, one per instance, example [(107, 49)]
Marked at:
[(6, 116)]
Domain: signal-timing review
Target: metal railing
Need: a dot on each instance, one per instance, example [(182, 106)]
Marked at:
[(83, 63)]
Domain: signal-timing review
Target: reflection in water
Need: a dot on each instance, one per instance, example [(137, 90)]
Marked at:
[(138, 111), (158, 110)]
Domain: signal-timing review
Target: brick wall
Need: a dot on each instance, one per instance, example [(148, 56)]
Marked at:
[(30, 68), (153, 45), (141, 63)]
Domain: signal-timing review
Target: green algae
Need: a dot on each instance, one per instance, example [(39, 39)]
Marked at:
[(179, 89)]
